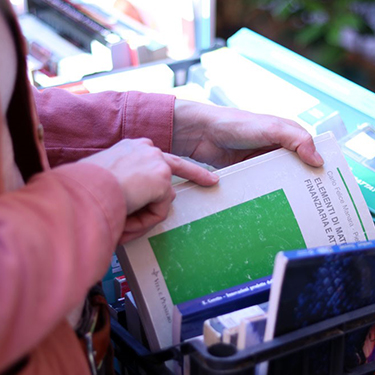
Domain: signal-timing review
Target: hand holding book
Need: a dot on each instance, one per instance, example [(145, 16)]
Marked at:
[(221, 237), (221, 136), (144, 173)]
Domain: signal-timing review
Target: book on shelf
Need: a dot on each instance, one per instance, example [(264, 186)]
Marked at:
[(145, 44), (226, 328), (68, 20), (311, 285), (233, 80), (114, 270), (156, 78), (197, 75), (133, 322), (117, 311), (121, 286), (175, 28), (189, 317), (355, 103), (55, 54), (222, 236), (188, 32), (284, 61), (71, 20), (251, 331), (358, 147), (204, 23)]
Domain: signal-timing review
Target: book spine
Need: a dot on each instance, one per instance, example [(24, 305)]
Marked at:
[(326, 250), (193, 313), (251, 332), (225, 328), (70, 11), (70, 21), (204, 11)]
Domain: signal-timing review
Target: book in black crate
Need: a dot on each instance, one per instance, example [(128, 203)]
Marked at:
[(330, 335)]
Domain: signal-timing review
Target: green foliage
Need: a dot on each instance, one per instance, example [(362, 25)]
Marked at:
[(318, 25)]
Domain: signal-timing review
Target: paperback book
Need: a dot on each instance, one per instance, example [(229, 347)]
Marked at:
[(222, 236), (317, 284), (226, 328), (189, 317), (233, 80), (251, 331)]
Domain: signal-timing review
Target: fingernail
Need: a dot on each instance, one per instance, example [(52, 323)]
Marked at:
[(319, 160), (215, 178)]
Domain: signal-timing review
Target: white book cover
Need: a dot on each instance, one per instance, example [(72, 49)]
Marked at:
[(248, 86), (228, 234), (157, 78), (251, 331), (226, 328)]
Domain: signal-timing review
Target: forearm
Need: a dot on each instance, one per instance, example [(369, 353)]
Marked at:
[(77, 126), (189, 123), (71, 219)]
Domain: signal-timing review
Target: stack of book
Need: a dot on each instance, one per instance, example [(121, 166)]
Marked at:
[(273, 230), (355, 103), (216, 249), (73, 39), (231, 79)]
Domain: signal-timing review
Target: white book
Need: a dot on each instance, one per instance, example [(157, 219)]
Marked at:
[(64, 61), (37, 31), (157, 78), (239, 82), (251, 331), (226, 328), (221, 236), (258, 48)]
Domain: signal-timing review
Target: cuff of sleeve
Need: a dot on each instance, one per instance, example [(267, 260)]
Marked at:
[(149, 115), (104, 190)]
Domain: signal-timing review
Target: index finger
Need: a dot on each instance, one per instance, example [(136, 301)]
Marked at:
[(190, 171)]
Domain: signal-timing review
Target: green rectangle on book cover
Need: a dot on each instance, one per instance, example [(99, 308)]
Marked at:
[(227, 248)]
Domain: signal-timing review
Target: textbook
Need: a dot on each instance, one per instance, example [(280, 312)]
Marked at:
[(358, 148), (189, 317), (69, 21), (233, 80), (226, 328), (251, 331), (228, 234), (317, 284), (285, 62)]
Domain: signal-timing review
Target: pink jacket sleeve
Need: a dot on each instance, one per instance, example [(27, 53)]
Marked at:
[(80, 210), (79, 125)]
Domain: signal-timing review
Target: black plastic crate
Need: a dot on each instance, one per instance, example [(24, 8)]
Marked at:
[(226, 359)]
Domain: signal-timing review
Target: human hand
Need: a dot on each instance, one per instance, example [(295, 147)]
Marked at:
[(220, 136), (144, 173)]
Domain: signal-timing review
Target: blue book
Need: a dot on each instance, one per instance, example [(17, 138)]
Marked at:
[(189, 316), (312, 285)]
